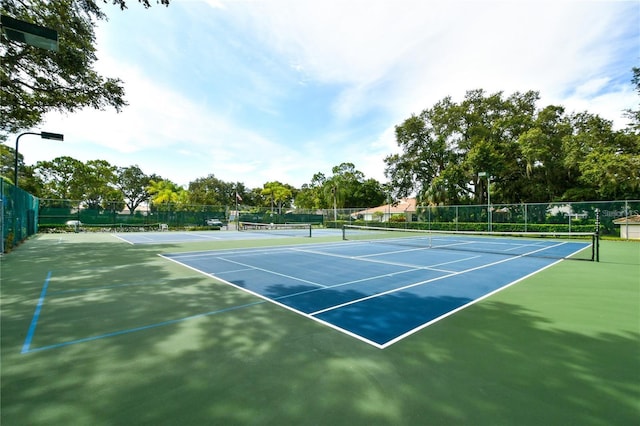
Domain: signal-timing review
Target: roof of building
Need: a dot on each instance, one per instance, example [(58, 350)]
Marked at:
[(404, 205), (632, 220)]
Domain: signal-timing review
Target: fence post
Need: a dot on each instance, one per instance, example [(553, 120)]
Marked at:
[(457, 218), (1, 225), (626, 215)]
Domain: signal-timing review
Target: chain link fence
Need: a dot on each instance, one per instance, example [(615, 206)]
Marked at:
[(525, 217), (18, 213), (23, 215), (63, 214), (60, 214)]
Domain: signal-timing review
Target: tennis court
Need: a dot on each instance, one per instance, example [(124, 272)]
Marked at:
[(380, 291), (247, 331), (264, 232)]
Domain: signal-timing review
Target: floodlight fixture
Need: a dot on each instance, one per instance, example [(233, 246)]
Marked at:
[(28, 33)]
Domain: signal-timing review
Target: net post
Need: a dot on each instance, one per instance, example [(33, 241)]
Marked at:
[(344, 232), (597, 236), (310, 226)]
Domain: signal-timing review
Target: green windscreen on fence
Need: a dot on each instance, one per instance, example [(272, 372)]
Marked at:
[(19, 215), (602, 216), (55, 213)]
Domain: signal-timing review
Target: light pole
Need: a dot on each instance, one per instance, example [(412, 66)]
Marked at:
[(488, 176), (43, 135), (334, 189)]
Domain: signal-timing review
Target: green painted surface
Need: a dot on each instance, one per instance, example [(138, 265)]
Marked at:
[(561, 347)]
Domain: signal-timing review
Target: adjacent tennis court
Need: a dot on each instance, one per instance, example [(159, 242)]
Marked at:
[(247, 231), (381, 290)]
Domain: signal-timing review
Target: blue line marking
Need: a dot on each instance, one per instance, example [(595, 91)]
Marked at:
[(36, 315), (142, 328)]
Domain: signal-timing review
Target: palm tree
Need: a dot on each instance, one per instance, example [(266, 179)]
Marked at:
[(278, 193), (334, 191), (165, 192)]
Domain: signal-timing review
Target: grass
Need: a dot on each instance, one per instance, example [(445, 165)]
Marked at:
[(561, 347)]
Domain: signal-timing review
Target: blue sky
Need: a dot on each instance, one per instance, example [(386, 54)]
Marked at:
[(256, 91)]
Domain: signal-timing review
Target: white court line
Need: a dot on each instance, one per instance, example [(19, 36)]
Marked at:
[(367, 258), (271, 272), (466, 305), (412, 268), (122, 239), (234, 271), (250, 251), (204, 236), (516, 247), (355, 335), (424, 282)]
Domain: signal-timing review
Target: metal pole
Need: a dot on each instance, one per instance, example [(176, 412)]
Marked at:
[(489, 200), (457, 218), (237, 218), (626, 220), (15, 164), (335, 204), (43, 135), (597, 236)]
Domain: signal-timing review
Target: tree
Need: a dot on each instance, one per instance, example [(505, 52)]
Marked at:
[(531, 154), (133, 184), (634, 115), (605, 163), (489, 128), (213, 191), (311, 195), (7, 161), (97, 179), (93, 182), (545, 176), (278, 194), (348, 187), (369, 193), (335, 188), (425, 153), (34, 81), (59, 177), (163, 191), (446, 146)]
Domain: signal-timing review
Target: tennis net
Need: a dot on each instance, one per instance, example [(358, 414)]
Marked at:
[(560, 245), (282, 229)]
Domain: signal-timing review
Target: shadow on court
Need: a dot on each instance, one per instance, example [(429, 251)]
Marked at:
[(511, 359)]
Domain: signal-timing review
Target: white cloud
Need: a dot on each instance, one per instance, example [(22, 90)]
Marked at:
[(214, 85), (424, 50), (186, 140)]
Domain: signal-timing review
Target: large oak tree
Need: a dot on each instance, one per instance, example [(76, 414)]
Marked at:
[(34, 81)]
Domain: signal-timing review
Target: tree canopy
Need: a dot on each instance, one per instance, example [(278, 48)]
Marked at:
[(528, 154), (35, 81), (346, 187)]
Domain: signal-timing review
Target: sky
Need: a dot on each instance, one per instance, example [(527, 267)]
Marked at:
[(278, 90)]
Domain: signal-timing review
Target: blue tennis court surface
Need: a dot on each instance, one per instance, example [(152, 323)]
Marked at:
[(375, 291)]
